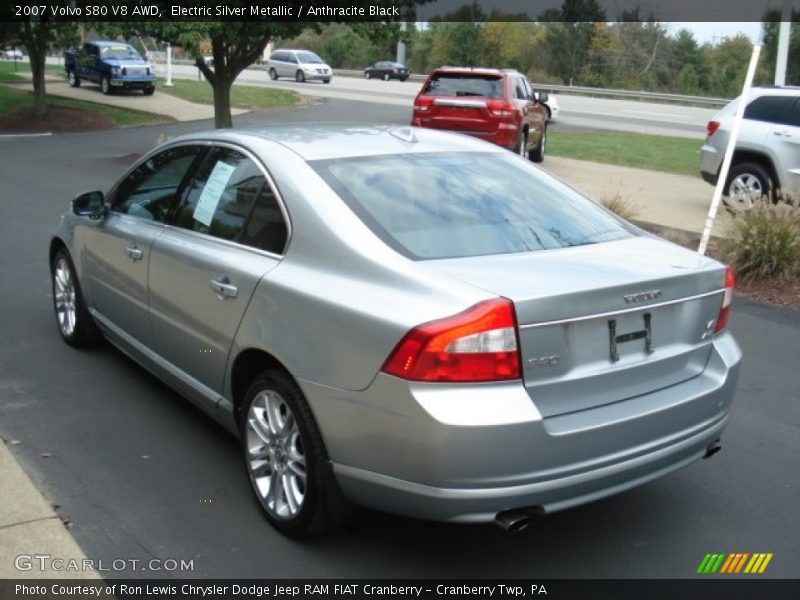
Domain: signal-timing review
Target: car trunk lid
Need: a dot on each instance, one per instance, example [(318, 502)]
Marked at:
[(604, 322)]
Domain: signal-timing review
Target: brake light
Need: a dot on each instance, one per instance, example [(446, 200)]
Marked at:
[(711, 128), (500, 109), (725, 309), (479, 344), (423, 104)]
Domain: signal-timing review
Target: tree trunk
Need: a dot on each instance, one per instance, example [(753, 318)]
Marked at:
[(39, 95), (222, 102)]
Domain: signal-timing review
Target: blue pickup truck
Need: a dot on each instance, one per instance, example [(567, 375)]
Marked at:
[(113, 65)]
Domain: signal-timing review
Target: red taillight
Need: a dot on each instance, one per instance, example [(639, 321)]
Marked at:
[(711, 128), (725, 309), (479, 344), (500, 108), (423, 104)]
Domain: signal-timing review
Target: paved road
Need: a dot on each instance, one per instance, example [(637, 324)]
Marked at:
[(577, 112), (130, 463)]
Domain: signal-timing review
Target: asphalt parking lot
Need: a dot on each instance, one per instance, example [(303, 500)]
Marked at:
[(140, 473)]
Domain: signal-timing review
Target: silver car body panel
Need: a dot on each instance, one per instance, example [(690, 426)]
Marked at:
[(335, 304)]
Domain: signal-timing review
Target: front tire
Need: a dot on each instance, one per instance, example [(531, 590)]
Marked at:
[(386, 77), (368, 75), (273, 74), (149, 91), (75, 324), (299, 77), (105, 85), (285, 457), (72, 79), (747, 184)]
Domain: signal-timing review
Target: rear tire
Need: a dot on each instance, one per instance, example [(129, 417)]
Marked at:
[(72, 79), (747, 183), (386, 77), (537, 154), (522, 144), (299, 77), (273, 74), (368, 75), (75, 324), (285, 458)]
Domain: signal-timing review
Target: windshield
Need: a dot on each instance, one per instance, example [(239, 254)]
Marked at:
[(309, 58), (448, 205), (121, 52)]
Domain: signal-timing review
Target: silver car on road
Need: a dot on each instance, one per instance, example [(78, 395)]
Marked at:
[(411, 320)]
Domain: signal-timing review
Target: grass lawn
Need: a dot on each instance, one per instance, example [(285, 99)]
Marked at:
[(653, 152), (11, 99), (242, 96), (8, 72)]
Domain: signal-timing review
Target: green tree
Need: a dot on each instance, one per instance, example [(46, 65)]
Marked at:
[(39, 36), (569, 36), (770, 27)]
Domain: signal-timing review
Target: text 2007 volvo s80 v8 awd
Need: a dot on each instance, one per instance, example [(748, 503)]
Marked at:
[(408, 319)]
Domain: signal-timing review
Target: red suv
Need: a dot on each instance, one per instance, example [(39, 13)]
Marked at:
[(497, 105)]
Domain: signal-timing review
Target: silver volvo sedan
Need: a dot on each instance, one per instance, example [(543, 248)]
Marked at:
[(407, 319)]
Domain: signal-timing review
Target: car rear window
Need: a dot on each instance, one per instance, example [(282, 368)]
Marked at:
[(448, 205), (465, 84)]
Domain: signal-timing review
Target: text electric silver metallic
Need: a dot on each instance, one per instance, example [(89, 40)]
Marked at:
[(412, 320)]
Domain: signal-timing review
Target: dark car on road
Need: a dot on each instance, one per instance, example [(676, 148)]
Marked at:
[(496, 105), (387, 70), (112, 65)]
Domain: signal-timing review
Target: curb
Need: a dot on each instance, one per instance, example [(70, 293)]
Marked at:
[(30, 529)]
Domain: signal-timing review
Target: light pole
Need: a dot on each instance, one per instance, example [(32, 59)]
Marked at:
[(783, 43), (168, 82)]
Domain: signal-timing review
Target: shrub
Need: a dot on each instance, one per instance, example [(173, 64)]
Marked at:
[(620, 206), (764, 242)]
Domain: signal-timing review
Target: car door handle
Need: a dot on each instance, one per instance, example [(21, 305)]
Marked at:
[(783, 133), (133, 252), (224, 288)]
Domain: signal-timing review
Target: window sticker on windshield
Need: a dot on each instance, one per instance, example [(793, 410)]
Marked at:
[(212, 193)]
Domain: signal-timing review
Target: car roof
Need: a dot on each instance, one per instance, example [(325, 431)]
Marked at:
[(476, 70), (109, 43), (322, 141)]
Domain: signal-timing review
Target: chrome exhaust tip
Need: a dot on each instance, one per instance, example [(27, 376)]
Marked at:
[(514, 520)]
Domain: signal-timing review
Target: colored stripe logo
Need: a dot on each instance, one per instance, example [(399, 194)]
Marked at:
[(737, 562)]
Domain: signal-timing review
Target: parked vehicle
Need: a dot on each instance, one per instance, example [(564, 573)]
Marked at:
[(551, 104), (766, 160), (113, 65), (12, 54), (496, 105), (301, 65), (387, 70), (412, 320)]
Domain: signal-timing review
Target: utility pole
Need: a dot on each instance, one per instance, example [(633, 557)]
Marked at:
[(783, 43), (401, 46)]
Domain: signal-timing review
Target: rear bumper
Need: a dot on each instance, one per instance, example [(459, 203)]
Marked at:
[(465, 453)]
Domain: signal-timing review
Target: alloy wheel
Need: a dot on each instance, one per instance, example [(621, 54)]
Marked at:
[(65, 297), (275, 455)]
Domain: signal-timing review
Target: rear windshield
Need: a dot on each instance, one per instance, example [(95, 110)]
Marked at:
[(466, 84), (449, 205)]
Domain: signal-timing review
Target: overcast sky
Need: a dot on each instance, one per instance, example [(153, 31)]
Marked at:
[(712, 32)]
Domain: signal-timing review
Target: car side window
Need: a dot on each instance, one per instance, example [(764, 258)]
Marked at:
[(292, 59), (150, 190), (770, 109), (220, 198), (528, 88), (794, 116), (266, 228), (519, 90)]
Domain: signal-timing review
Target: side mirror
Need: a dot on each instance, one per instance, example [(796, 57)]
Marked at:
[(543, 97), (89, 204)]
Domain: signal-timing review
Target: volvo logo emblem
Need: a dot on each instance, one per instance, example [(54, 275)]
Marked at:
[(643, 296)]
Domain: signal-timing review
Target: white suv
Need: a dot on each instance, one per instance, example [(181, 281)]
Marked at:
[(302, 65), (767, 155)]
